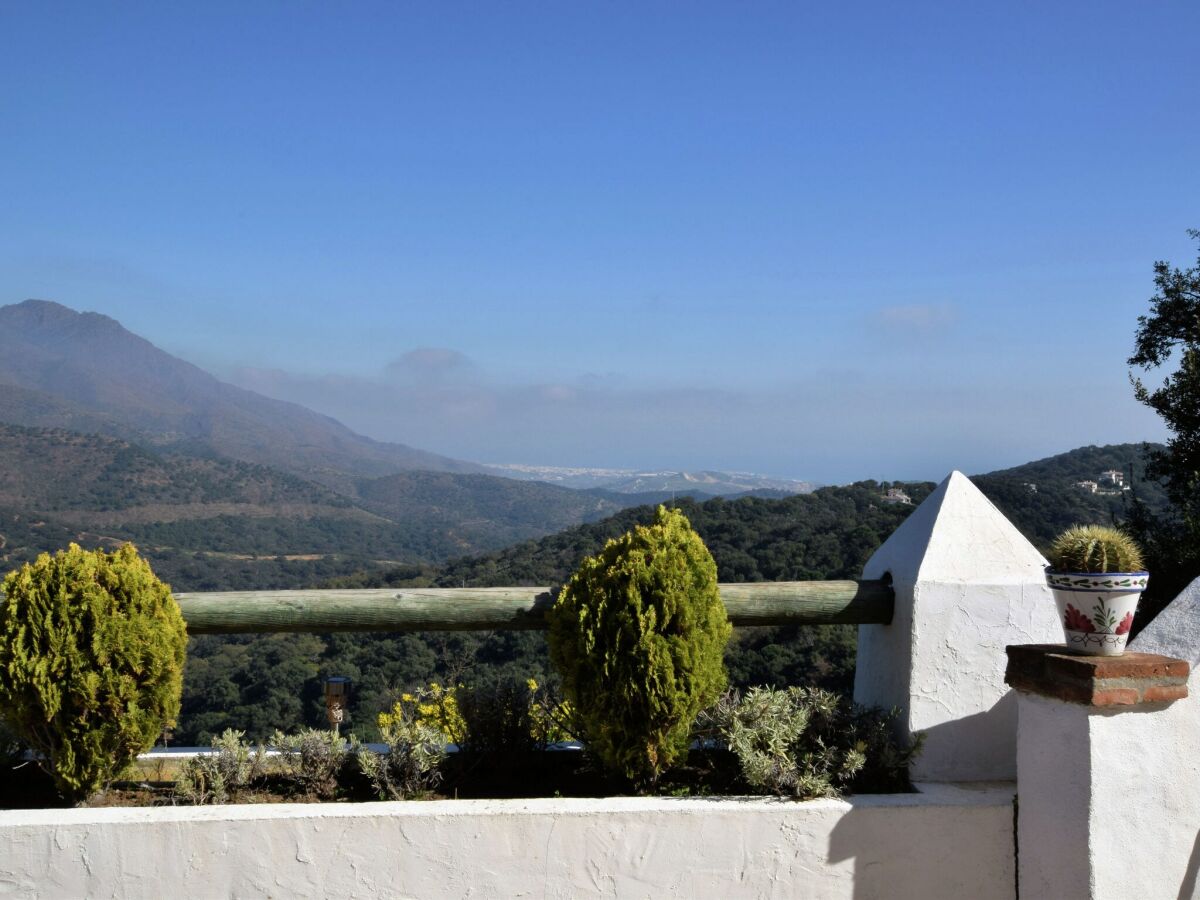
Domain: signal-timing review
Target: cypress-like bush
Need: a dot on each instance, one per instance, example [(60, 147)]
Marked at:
[(638, 636), (91, 662)]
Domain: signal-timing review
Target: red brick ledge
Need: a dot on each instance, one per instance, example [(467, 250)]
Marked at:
[(1128, 680)]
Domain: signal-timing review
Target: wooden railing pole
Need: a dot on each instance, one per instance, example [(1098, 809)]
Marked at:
[(508, 608)]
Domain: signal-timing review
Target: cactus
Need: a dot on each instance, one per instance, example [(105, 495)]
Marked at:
[(1095, 548)]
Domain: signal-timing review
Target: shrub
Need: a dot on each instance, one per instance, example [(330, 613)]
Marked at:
[(217, 777), (553, 717), (498, 717), (11, 749), (1095, 548), (410, 765), (638, 636), (91, 662), (313, 759), (808, 743), (435, 706)]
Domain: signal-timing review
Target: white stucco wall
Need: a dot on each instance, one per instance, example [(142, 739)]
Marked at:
[(1146, 776), (947, 841), (1145, 816), (1110, 798), (1054, 794), (967, 584)]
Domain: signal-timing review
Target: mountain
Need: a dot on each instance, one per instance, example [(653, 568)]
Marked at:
[(210, 522), (632, 481), (85, 372), (1044, 496), (484, 509), (110, 439)]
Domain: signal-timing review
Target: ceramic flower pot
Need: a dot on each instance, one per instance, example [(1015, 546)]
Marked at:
[(1096, 609)]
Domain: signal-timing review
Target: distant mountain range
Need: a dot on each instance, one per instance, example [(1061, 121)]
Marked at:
[(829, 532), (105, 438), (633, 481), (85, 372)]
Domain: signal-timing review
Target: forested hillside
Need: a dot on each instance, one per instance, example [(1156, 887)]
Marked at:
[(210, 523), (1042, 498), (265, 681), (216, 524), (259, 682)]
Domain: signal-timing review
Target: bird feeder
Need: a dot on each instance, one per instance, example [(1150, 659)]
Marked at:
[(337, 694)]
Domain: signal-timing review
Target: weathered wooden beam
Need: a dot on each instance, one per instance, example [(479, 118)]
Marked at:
[(508, 608)]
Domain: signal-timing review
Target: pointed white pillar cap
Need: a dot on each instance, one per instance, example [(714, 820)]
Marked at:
[(956, 535), (967, 584)]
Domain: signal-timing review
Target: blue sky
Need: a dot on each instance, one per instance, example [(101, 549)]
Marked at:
[(828, 242)]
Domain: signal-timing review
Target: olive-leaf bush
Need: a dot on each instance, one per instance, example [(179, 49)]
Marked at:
[(219, 776), (807, 743), (415, 750), (313, 759)]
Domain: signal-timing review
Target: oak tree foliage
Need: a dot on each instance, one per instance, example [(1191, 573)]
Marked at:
[(1170, 335)]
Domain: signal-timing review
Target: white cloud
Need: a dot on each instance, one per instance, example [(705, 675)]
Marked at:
[(915, 319), (431, 365)]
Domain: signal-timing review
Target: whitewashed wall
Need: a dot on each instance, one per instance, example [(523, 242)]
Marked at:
[(1145, 816), (944, 842), (1110, 795)]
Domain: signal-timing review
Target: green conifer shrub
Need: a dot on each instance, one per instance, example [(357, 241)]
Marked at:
[(638, 636), (11, 749), (91, 662)]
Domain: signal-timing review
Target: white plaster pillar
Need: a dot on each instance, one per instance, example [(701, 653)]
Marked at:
[(1107, 788), (967, 584)]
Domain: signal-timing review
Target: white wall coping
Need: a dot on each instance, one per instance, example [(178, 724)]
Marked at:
[(973, 793)]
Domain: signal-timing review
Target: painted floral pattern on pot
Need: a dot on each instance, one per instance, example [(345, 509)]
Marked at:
[(1097, 610), (1074, 620)]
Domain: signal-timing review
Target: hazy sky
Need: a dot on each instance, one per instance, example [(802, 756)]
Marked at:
[(828, 241)]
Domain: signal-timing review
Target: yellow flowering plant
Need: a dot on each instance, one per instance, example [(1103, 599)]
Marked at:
[(434, 706)]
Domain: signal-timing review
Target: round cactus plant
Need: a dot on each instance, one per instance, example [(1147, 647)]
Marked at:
[(638, 635), (1095, 548)]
